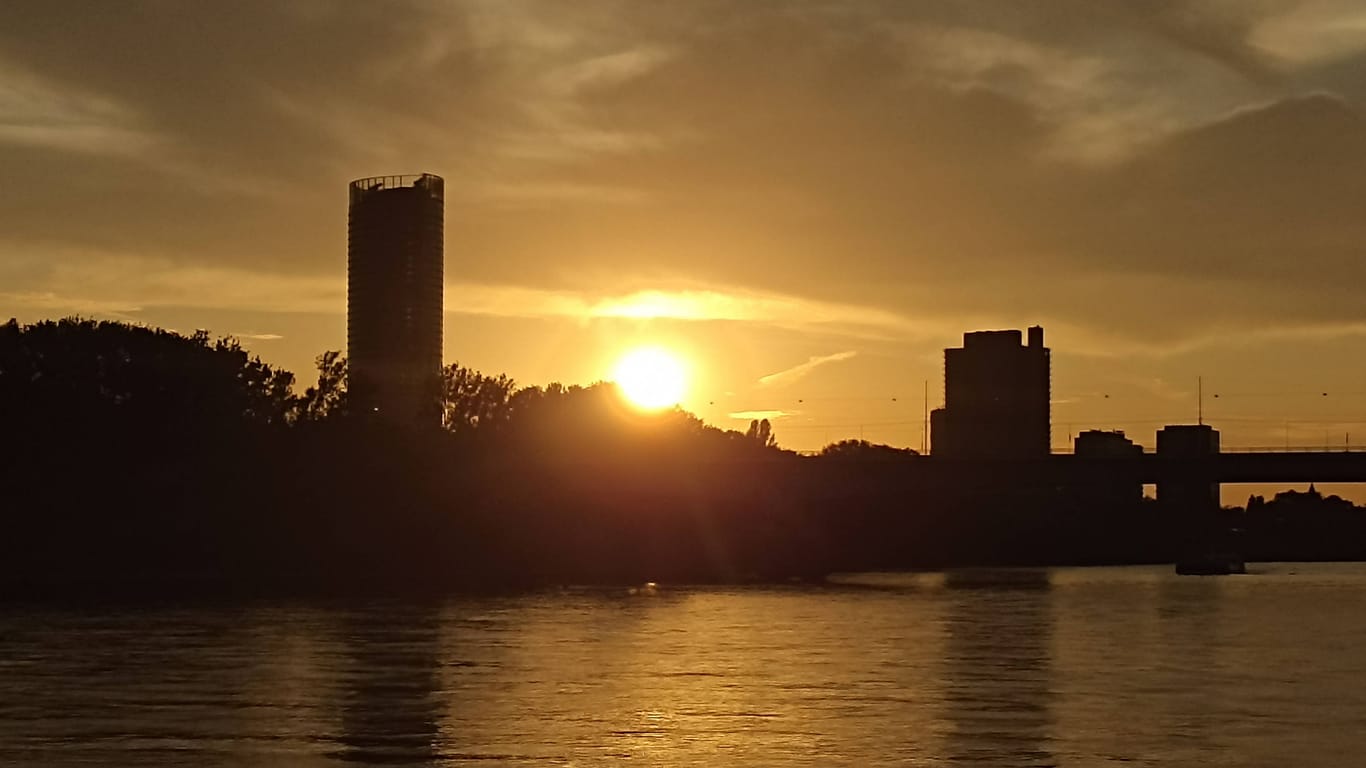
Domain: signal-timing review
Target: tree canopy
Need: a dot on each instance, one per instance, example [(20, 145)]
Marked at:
[(81, 375), (75, 377)]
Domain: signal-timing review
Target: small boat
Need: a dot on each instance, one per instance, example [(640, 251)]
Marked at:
[(1211, 564)]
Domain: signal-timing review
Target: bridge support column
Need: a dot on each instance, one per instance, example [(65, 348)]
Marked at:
[(1188, 490)]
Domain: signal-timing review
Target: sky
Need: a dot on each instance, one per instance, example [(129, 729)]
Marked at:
[(806, 200)]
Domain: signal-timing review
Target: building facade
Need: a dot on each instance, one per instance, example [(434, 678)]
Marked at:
[(1105, 444), (996, 397), (395, 295)]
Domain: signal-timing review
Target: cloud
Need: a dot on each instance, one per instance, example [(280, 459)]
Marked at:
[(1314, 31), (258, 336), (50, 302), (39, 113), (689, 305), (1146, 174), (759, 415), (107, 283), (798, 372), (117, 284)]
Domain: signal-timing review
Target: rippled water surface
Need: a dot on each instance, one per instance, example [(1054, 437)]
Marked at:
[(1068, 667)]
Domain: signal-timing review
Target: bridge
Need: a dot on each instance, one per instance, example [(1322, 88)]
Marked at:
[(1064, 469), (1216, 468), (1187, 469)]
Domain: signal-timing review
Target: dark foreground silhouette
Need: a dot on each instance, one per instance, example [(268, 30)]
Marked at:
[(135, 460)]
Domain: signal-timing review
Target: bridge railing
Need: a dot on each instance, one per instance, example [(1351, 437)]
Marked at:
[(1325, 448)]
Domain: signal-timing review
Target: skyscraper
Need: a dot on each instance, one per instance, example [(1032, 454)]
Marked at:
[(996, 394), (394, 296)]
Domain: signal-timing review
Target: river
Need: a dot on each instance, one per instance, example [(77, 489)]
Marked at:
[(1070, 667)]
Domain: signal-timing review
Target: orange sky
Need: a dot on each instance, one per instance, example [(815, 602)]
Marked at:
[(808, 200)]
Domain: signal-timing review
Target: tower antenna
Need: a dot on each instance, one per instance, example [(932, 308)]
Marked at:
[(1200, 400)]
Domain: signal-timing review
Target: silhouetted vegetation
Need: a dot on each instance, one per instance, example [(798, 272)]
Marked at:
[(145, 460), (862, 449), (1300, 525), (86, 376), (326, 399), (761, 432)]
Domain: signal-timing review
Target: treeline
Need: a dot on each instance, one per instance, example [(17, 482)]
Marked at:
[(142, 457), (78, 376), (141, 460), (1300, 525)]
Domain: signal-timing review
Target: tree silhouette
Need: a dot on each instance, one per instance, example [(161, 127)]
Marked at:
[(472, 401), (78, 375), (761, 432), (862, 449), (328, 398)]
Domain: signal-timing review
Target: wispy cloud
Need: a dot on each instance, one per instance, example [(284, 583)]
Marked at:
[(699, 305), (86, 282), (258, 336), (98, 283), (38, 113), (798, 372), (753, 415), (48, 302), (1311, 32)]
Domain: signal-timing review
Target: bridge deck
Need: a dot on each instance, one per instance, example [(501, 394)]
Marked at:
[(1270, 467)]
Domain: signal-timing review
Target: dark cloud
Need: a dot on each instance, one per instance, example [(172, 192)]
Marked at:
[(248, 111)]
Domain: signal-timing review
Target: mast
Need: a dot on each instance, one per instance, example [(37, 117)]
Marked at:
[(1200, 400)]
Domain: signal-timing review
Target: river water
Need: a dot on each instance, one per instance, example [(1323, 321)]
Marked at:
[(1073, 667)]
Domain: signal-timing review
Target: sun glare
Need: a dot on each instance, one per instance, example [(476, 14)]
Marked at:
[(650, 378)]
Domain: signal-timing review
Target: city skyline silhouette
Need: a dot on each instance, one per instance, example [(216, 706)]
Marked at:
[(807, 203)]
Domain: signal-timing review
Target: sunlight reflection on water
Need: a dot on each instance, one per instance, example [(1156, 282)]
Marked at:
[(1003, 667)]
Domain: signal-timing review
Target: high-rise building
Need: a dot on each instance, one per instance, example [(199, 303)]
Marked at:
[(996, 393), (394, 296)]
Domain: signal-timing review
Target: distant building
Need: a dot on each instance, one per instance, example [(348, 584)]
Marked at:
[(1100, 491), (996, 393), (1108, 444), (395, 290)]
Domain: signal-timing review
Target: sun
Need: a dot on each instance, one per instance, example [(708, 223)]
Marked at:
[(650, 378)]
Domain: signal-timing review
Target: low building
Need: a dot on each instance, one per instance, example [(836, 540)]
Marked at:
[(1102, 443)]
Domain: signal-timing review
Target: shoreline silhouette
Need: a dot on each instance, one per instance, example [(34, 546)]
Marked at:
[(140, 461)]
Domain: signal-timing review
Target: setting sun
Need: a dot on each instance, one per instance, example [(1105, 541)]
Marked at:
[(650, 378)]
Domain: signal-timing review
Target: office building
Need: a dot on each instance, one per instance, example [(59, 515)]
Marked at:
[(395, 296), (996, 398), (1105, 444)]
